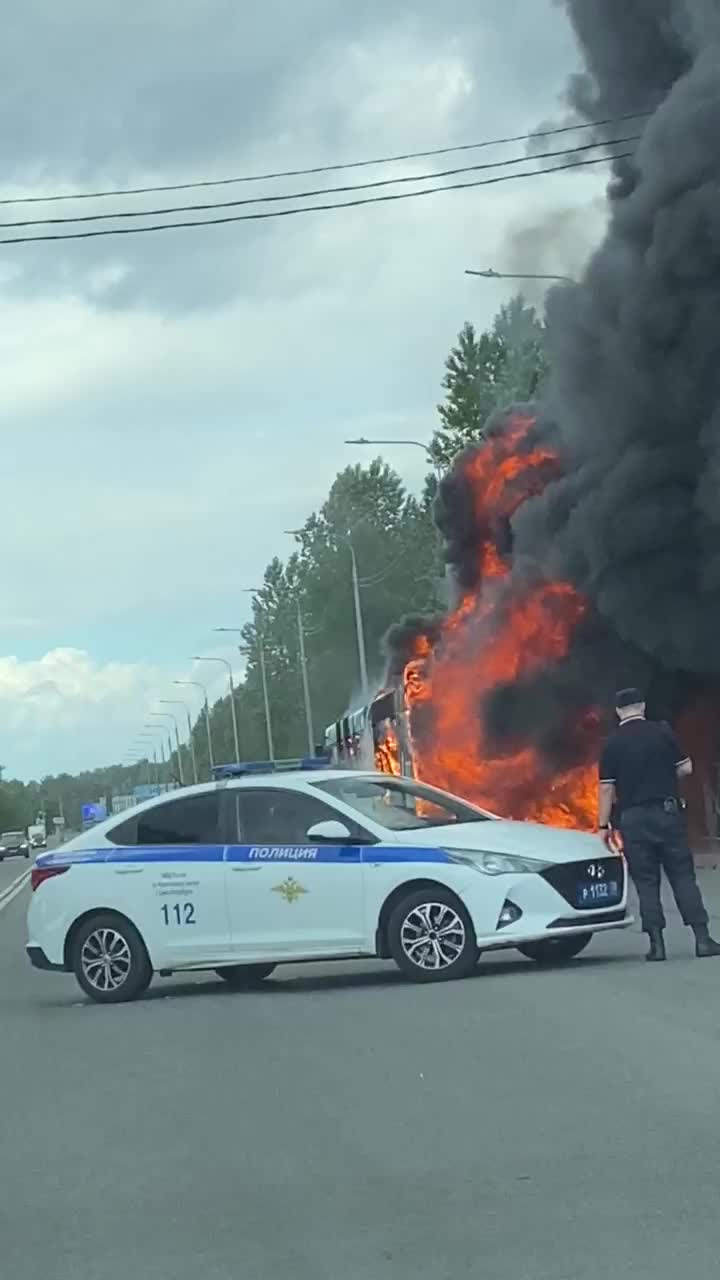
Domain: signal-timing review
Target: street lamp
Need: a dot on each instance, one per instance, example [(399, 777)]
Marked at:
[(167, 715), (414, 444), (144, 743), (491, 274), (359, 628), (263, 677), (233, 709), (171, 702), (197, 685), (157, 729)]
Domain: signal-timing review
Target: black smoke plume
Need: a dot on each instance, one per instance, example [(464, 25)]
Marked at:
[(635, 346), (633, 411)]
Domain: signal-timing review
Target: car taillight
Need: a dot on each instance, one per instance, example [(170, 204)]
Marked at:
[(38, 874)]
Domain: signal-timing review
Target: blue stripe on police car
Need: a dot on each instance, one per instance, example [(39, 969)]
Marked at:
[(348, 854)]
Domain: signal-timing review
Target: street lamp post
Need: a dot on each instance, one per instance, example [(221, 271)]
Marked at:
[(491, 274), (156, 729), (167, 715), (266, 700), (359, 628), (304, 676), (296, 533), (263, 681), (172, 702), (145, 744), (197, 685), (233, 708), (147, 741)]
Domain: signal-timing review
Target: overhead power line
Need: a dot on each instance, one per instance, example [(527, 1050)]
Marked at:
[(310, 208), (323, 168), (320, 191)]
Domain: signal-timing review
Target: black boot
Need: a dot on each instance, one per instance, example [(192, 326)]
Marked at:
[(705, 945), (657, 945)]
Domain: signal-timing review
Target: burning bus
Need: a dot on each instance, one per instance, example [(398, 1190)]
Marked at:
[(504, 699), (373, 737), (436, 718)]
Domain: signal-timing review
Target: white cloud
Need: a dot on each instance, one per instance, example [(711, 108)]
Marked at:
[(65, 711)]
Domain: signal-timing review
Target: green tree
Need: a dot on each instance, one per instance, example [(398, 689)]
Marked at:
[(526, 365), (395, 545), (473, 372), (487, 372)]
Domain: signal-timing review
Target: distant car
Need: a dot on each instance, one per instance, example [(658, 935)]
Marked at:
[(14, 844), (260, 869)]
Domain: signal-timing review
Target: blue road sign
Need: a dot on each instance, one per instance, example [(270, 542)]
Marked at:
[(94, 813)]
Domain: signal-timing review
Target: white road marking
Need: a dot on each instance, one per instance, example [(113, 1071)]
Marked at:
[(7, 895)]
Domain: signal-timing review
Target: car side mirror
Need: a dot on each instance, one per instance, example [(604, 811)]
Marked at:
[(329, 832)]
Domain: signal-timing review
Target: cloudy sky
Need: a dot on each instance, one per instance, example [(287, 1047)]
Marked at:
[(172, 402)]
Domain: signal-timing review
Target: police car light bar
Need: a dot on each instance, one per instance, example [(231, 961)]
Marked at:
[(250, 767)]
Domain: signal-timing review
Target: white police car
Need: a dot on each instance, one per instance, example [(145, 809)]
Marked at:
[(262, 868)]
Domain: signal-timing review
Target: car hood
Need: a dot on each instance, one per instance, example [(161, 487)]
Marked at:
[(528, 839)]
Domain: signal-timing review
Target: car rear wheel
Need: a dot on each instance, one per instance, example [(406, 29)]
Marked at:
[(431, 938), (245, 975), (556, 950), (109, 959)]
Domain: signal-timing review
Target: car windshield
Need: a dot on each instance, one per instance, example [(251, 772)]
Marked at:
[(399, 803), (10, 835)]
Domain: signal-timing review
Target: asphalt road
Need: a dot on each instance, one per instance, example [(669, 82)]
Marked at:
[(342, 1125), (11, 872)]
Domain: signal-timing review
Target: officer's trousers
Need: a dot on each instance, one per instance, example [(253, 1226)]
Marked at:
[(655, 839)]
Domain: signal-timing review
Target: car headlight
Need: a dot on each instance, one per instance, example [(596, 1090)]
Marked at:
[(497, 864)]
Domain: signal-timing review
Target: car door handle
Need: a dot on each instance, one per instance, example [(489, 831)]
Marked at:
[(129, 871), (241, 868)]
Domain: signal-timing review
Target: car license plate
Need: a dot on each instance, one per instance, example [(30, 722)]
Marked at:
[(598, 893)]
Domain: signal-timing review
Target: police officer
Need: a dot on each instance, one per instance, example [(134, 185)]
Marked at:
[(640, 768)]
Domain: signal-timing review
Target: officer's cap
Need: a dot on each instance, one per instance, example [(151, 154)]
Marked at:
[(628, 698)]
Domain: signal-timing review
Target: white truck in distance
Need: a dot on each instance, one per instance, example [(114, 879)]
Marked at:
[(37, 835)]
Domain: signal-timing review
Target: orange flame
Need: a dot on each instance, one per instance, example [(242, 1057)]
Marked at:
[(387, 752), (498, 634)]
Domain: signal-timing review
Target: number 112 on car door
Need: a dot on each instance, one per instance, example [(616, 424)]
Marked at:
[(179, 913)]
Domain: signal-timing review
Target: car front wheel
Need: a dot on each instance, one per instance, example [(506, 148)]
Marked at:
[(431, 937), (555, 950), (244, 975), (109, 959)]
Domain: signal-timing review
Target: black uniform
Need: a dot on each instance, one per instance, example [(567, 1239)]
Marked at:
[(641, 760)]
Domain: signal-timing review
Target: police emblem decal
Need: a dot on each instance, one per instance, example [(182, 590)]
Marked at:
[(290, 889)]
